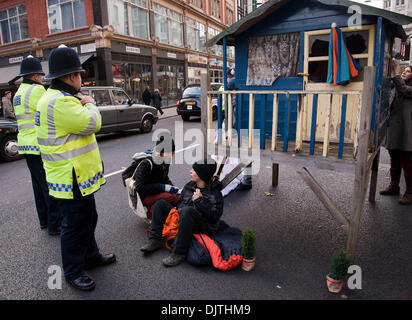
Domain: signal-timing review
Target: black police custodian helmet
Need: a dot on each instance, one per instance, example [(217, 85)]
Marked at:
[(63, 61), (30, 65)]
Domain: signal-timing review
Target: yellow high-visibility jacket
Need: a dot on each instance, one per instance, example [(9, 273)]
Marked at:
[(65, 131), (25, 103)]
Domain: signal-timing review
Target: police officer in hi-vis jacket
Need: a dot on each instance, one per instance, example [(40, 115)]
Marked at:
[(25, 103), (66, 128)]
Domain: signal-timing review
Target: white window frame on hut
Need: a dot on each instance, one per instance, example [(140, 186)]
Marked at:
[(332, 115)]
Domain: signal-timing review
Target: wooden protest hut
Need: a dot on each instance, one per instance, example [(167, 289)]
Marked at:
[(283, 68)]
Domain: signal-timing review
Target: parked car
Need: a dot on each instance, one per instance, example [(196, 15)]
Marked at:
[(190, 105), (119, 112), (8, 141)]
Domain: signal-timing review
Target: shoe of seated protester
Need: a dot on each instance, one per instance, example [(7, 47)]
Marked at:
[(151, 245), (173, 259)]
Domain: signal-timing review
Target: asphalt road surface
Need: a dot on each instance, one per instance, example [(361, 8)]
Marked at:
[(296, 236)]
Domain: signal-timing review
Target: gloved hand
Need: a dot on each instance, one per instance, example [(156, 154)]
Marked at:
[(172, 189)]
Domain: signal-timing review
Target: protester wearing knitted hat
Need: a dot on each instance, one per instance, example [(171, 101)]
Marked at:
[(200, 208), (205, 169)]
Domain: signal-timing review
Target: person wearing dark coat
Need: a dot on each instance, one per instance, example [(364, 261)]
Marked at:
[(157, 100), (147, 96), (399, 135), (151, 175), (200, 208)]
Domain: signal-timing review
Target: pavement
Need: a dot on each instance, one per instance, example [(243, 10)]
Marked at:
[(296, 236)]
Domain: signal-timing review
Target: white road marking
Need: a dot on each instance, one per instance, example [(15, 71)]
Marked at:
[(120, 171)]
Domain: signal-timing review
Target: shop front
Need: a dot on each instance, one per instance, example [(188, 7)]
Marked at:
[(170, 76)]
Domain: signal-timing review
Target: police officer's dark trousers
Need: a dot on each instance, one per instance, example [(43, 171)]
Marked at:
[(78, 244), (47, 207)]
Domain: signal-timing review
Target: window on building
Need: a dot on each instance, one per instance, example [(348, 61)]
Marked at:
[(129, 17), (168, 25), (241, 9), (197, 3), (66, 15), (215, 8), (216, 49), (13, 24), (196, 35), (229, 16)]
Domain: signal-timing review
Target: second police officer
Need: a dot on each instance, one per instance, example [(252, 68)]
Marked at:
[(25, 103), (66, 127)]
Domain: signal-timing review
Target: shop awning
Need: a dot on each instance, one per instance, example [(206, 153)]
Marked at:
[(7, 74)]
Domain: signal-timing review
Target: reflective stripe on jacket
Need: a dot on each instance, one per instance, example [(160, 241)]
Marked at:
[(65, 130), (25, 103)]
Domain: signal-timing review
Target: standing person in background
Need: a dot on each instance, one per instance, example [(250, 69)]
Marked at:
[(157, 100), (147, 96), (399, 135), (7, 107), (25, 105), (66, 127)]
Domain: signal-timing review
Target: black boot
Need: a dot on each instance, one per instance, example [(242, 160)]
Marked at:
[(407, 197), (393, 189)]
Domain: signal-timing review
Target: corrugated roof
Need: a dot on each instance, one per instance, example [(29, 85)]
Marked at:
[(272, 5)]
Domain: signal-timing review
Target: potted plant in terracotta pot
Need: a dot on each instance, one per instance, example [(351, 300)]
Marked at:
[(337, 271), (248, 249)]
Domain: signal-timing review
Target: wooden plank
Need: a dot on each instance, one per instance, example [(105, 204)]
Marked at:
[(326, 136), (324, 198), (204, 111), (229, 119), (234, 173), (374, 177), (299, 122), (263, 123), (361, 167), (313, 125), (342, 126), (287, 125), (275, 121), (209, 119), (251, 119)]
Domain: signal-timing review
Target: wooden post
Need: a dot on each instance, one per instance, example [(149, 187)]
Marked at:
[(374, 177), (275, 174), (251, 118), (275, 121), (324, 198), (204, 110), (229, 120), (361, 167), (302, 102), (209, 119), (326, 137)]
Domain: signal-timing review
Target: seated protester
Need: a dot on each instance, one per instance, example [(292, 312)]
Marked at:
[(152, 181), (200, 208)]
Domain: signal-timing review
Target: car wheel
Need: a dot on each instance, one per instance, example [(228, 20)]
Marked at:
[(147, 125), (9, 148), (185, 118)]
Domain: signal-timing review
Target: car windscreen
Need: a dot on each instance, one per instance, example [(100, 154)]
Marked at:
[(192, 92)]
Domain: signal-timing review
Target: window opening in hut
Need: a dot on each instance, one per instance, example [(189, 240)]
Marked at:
[(356, 42)]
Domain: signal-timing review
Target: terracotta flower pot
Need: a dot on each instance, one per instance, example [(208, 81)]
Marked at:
[(248, 264), (334, 286)]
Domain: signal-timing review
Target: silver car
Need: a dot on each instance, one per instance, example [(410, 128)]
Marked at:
[(119, 112)]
